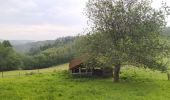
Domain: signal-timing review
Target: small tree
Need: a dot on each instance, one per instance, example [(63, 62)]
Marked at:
[(6, 43), (126, 32), (9, 59)]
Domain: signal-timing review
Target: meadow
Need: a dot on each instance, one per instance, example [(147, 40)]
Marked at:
[(56, 84)]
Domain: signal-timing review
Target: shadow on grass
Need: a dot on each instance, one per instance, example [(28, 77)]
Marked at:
[(123, 79), (68, 77)]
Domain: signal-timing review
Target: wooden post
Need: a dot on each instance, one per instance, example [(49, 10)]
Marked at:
[(91, 69), (38, 70), (79, 70), (2, 74), (86, 70), (168, 74)]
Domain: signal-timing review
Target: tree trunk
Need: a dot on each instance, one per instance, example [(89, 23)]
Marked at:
[(116, 73)]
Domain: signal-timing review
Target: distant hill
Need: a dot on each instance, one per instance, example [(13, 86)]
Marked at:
[(41, 46), (21, 45), (27, 45), (21, 42), (24, 46), (49, 53)]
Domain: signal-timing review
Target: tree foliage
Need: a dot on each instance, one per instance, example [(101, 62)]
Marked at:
[(6, 43), (126, 32), (62, 51), (9, 59)]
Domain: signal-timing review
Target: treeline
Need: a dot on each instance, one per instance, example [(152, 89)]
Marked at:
[(58, 43), (61, 51)]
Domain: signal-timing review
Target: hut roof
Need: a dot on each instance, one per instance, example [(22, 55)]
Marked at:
[(74, 63)]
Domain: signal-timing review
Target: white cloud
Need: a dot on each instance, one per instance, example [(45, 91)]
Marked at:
[(44, 19), (37, 32), (41, 19)]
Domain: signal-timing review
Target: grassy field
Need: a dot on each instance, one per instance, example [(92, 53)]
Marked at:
[(29, 72), (135, 84)]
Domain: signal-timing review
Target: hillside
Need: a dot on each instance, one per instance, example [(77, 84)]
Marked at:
[(49, 53), (25, 47), (21, 46), (21, 42), (41, 54), (90, 50), (135, 84), (35, 45)]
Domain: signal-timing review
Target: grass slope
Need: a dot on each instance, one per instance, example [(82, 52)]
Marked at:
[(136, 84), (29, 72)]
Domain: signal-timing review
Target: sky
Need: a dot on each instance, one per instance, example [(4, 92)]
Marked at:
[(45, 19)]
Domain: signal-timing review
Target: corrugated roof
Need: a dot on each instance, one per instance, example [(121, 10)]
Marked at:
[(74, 63)]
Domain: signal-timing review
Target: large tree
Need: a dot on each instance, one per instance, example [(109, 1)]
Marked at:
[(126, 32)]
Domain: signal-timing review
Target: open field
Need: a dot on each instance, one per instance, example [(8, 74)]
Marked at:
[(29, 72), (135, 84)]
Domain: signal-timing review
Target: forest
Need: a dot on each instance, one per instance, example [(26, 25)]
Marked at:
[(59, 52)]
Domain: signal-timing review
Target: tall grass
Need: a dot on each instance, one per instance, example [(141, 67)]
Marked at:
[(135, 84)]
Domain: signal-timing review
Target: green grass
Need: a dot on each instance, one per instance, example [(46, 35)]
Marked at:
[(136, 84), (27, 72)]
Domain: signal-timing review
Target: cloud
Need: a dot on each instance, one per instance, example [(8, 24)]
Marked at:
[(38, 32), (43, 19), (39, 18), (41, 11)]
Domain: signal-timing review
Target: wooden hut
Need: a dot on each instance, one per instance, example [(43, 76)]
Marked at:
[(76, 67)]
